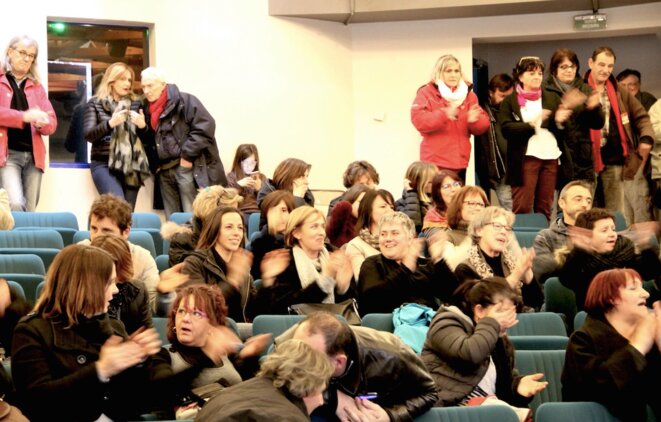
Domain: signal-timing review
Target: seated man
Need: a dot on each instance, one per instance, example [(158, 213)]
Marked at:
[(112, 215), (368, 365), (574, 198)]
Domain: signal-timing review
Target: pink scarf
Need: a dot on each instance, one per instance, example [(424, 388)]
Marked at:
[(522, 95)]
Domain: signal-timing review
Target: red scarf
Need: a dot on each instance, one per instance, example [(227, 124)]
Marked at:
[(522, 95), (595, 134), (156, 108)]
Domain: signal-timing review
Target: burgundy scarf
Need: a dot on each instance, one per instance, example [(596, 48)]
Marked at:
[(156, 108), (595, 134)]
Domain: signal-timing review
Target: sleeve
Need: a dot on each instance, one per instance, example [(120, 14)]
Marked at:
[(44, 104), (180, 246), (483, 122), (287, 291), (638, 116), (544, 265), (380, 287), (202, 128), (194, 269), (648, 264), (146, 271), (448, 339), (590, 118), (95, 126), (511, 127), (425, 116)]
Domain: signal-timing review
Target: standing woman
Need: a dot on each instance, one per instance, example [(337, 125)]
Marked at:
[(532, 119), (114, 125), (565, 81), (446, 113), (246, 178), (25, 115), (291, 175)]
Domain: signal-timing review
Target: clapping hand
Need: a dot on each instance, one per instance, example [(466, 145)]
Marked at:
[(273, 264), (474, 113), (436, 245), (238, 268), (530, 385)]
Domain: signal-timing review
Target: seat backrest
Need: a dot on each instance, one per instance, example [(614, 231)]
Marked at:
[(253, 224), (573, 412), (469, 414), (535, 220), (560, 299), (620, 221), (539, 342), (16, 287), (381, 322), (146, 220), (28, 283), (181, 217), (143, 239), (274, 324), (22, 264), (579, 319), (31, 239), (538, 324), (162, 263), (40, 288), (548, 362), (161, 326), (526, 238), (45, 219)]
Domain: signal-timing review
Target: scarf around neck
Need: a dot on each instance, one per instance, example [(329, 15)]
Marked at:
[(522, 95), (455, 97), (309, 274), (369, 238), (156, 108)]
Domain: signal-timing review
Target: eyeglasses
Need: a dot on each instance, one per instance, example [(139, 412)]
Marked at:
[(474, 204), (457, 184), (531, 58), (25, 55), (567, 67), (196, 314), (499, 227)]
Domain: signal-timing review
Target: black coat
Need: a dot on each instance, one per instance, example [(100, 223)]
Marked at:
[(262, 244), (131, 306), (54, 372), (184, 242), (491, 151), (385, 285), (602, 366), (268, 186), (411, 205)]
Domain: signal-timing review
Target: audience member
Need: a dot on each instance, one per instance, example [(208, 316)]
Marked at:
[(341, 225), (444, 186), (576, 95), (465, 205), (6, 218), (495, 252), (291, 175), (26, 115), (398, 275), (114, 124), (375, 204), (622, 146), (446, 113), (246, 178), (532, 120), (574, 198), (13, 307), (416, 199), (655, 119), (308, 272), (367, 362), (183, 238), (491, 146), (357, 172), (288, 388), (112, 215), (75, 140), (184, 154), (468, 353), (131, 303), (613, 359), (220, 259), (595, 247), (630, 80), (70, 360)]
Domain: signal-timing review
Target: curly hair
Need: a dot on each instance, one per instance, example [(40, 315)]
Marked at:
[(208, 299)]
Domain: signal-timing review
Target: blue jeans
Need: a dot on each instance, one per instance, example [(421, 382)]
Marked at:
[(110, 182), (178, 189), (22, 180)]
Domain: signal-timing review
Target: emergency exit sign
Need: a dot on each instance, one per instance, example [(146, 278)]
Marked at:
[(590, 22)]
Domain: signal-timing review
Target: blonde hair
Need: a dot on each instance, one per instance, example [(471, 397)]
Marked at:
[(486, 216), (297, 367), (419, 174), (441, 64), (33, 73), (400, 218), (112, 73), (211, 198), (296, 219)]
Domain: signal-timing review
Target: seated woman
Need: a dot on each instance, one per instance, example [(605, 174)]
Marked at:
[(375, 204), (308, 272), (201, 341), (443, 188), (595, 247), (183, 238), (275, 209), (495, 252), (13, 307), (291, 175), (70, 361), (342, 222), (288, 387), (415, 200), (398, 275), (467, 351), (131, 303), (246, 178), (614, 357), (220, 259), (357, 173), (465, 205)]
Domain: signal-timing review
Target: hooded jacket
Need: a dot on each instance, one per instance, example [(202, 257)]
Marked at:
[(546, 243)]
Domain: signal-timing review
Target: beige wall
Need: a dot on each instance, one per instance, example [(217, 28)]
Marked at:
[(323, 92)]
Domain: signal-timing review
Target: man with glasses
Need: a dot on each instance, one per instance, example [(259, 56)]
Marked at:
[(25, 116)]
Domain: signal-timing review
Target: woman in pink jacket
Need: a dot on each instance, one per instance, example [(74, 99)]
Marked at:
[(446, 113), (25, 115)]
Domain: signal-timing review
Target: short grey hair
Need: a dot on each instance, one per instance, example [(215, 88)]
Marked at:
[(441, 64), (154, 74), (33, 73), (485, 217), (398, 218)]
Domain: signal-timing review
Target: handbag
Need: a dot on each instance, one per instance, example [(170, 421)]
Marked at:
[(347, 309)]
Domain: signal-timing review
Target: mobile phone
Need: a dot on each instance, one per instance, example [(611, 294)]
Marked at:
[(368, 396), (254, 175)]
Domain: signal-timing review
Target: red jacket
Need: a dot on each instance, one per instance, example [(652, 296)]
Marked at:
[(37, 98), (445, 142)]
